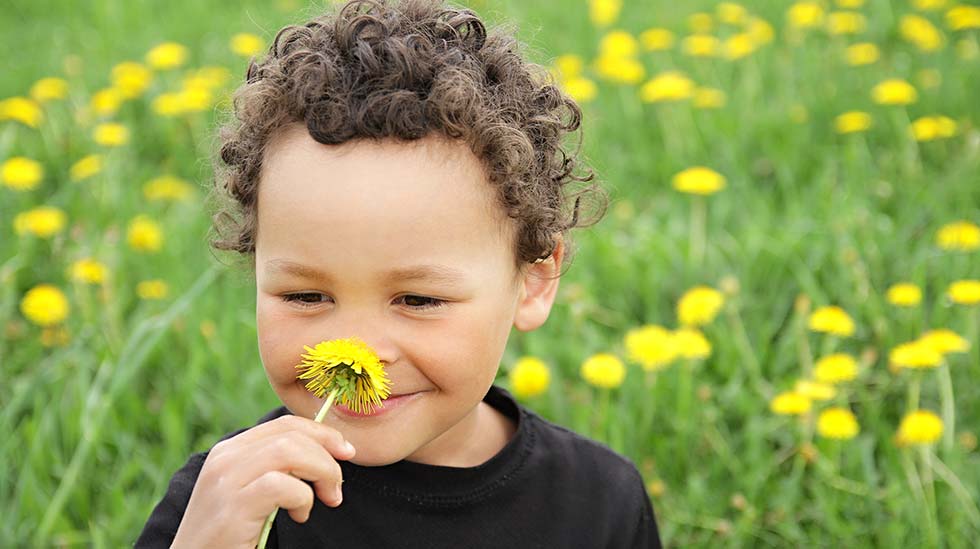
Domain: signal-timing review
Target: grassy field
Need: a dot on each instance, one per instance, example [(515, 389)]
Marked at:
[(102, 404)]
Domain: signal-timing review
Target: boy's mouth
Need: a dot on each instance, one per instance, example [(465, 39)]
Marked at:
[(388, 405)]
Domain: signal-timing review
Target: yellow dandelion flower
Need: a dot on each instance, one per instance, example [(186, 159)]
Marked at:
[(846, 22), (760, 30), (914, 354), (731, 13), (944, 341), (144, 234), (835, 368), (42, 222), (21, 174), (246, 44), (863, 53), (790, 403), (850, 4), (894, 91), (928, 5), (21, 109), (152, 289), (904, 294), (699, 180), (111, 134), (86, 167), (691, 344), (106, 102), (919, 427), (852, 122), (580, 89), (88, 271), (701, 45), (656, 488), (167, 104), (700, 23), (652, 347), (195, 99), (929, 128), (49, 89), (831, 320), (603, 370), (657, 39), (604, 12), (667, 86), (45, 305), (739, 45), (623, 70), (347, 368), (569, 65), (964, 292), (837, 423), (530, 377), (963, 17), (167, 187), (210, 78), (815, 390), (166, 56), (959, 235), (921, 32), (131, 79), (805, 15), (618, 43), (699, 306), (708, 98)]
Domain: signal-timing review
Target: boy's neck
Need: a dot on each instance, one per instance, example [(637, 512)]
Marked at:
[(472, 442)]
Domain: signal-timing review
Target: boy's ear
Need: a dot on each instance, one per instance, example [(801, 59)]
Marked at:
[(538, 287)]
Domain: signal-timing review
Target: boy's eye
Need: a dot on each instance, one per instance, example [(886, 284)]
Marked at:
[(420, 302), (302, 298), (310, 299)]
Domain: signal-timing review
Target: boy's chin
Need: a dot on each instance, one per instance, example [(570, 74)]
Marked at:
[(375, 459)]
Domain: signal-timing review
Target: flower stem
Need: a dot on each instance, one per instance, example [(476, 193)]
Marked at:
[(267, 527), (949, 409)]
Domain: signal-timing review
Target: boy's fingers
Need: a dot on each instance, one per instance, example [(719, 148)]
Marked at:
[(278, 488), (327, 436), (291, 453)]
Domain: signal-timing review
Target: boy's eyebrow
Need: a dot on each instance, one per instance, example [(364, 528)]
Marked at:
[(432, 272)]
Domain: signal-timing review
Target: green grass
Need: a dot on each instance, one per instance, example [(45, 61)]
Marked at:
[(94, 428)]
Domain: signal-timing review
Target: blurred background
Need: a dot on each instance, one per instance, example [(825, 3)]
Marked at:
[(777, 320)]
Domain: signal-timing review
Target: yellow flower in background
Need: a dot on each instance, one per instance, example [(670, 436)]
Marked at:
[(959, 235), (852, 122), (739, 45), (919, 427), (42, 222), (167, 104), (568, 65), (915, 354), (964, 292), (209, 78), (760, 30), (152, 289), (45, 305), (699, 180), (846, 22), (49, 89), (701, 45), (131, 79), (831, 320), (700, 23), (904, 294), (863, 53), (167, 187), (944, 341), (963, 17), (652, 347), (529, 377), (166, 56), (835, 368), (790, 403), (667, 86), (928, 5), (617, 61), (246, 44), (815, 390), (894, 91), (21, 173), (348, 368), (657, 39), (604, 12), (618, 43), (88, 271), (580, 89), (106, 102), (699, 306), (708, 98), (603, 370), (929, 128), (837, 423), (691, 344), (144, 234), (21, 109), (85, 167), (921, 32), (731, 13), (805, 15), (850, 4), (111, 134)]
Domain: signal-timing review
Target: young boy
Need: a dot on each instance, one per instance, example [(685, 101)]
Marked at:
[(397, 174)]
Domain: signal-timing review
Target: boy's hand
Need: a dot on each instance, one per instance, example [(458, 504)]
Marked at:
[(245, 477)]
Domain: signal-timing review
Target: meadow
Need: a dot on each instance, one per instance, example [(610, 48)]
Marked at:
[(778, 319)]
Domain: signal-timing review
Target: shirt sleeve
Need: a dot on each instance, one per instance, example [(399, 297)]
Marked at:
[(161, 528), (646, 535)]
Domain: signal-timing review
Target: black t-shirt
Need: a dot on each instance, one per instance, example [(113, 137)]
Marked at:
[(548, 487)]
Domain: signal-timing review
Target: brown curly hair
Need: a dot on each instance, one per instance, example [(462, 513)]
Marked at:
[(403, 70)]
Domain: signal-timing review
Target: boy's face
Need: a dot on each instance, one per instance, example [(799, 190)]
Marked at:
[(414, 256)]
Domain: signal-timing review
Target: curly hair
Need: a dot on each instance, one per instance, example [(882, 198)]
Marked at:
[(405, 70)]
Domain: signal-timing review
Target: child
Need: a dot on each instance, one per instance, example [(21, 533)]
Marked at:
[(398, 175)]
